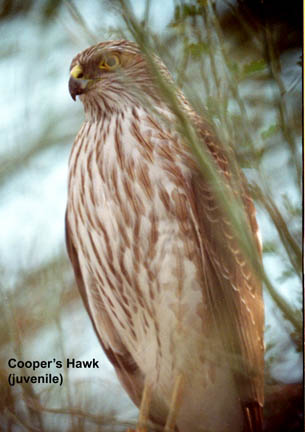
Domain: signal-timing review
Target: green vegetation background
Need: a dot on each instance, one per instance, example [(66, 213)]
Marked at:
[(231, 60)]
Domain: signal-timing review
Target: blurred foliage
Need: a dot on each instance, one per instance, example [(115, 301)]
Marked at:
[(233, 63), (10, 9)]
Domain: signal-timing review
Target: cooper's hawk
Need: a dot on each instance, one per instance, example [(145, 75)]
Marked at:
[(173, 300)]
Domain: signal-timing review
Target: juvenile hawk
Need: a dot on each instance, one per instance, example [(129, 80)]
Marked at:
[(173, 300)]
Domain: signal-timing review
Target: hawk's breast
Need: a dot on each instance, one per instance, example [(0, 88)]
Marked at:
[(130, 216)]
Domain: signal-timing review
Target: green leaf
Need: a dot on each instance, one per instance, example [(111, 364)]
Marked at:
[(269, 247), (189, 10), (272, 130), (253, 67), (196, 49)]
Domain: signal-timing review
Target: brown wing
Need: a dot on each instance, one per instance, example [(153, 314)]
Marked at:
[(123, 362), (234, 292)]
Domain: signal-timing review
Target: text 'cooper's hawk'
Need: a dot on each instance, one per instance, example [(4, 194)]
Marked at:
[(175, 304)]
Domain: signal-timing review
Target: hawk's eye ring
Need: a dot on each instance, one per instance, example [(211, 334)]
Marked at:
[(110, 62)]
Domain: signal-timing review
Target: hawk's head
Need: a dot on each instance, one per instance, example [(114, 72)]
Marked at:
[(109, 75)]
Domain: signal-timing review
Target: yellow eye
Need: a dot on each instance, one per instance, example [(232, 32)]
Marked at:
[(110, 63)]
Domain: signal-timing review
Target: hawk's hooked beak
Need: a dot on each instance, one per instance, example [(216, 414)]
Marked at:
[(77, 84)]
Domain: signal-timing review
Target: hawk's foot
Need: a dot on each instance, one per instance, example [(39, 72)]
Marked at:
[(144, 408), (175, 404), (173, 409)]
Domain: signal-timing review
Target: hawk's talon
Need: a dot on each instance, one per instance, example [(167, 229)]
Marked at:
[(175, 404), (144, 407)]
